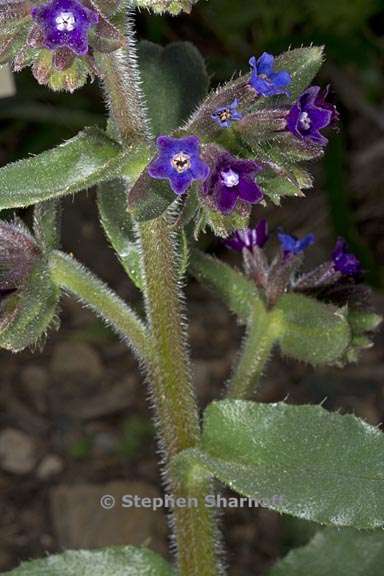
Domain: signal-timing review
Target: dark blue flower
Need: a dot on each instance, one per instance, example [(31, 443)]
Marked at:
[(65, 23), (310, 114), (344, 261), (264, 80), (292, 245), (179, 161), (248, 238), (227, 114), (232, 180)]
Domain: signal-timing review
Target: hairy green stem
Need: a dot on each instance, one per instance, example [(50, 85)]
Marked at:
[(177, 413), (75, 279), (262, 331), (121, 82), (169, 368)]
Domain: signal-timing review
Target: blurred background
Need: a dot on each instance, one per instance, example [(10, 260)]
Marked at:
[(74, 417)]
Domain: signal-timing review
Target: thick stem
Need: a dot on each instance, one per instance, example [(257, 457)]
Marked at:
[(195, 531), (83, 285), (262, 331), (121, 80), (169, 369)]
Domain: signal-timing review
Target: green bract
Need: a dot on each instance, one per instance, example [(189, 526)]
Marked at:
[(29, 313)]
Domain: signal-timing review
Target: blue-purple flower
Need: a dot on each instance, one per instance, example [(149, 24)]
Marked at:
[(310, 114), (65, 23), (249, 238), (264, 80), (344, 261), (232, 180), (179, 161), (292, 245), (227, 114)]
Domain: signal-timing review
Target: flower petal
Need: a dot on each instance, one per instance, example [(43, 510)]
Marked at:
[(265, 64), (180, 182), (226, 199), (249, 191)]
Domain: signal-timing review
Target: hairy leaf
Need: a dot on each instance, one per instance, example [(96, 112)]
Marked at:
[(82, 161), (344, 552), (112, 199), (230, 285), (313, 332), (116, 561), (174, 81), (301, 460)]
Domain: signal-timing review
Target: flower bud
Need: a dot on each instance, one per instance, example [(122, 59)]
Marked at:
[(28, 298)]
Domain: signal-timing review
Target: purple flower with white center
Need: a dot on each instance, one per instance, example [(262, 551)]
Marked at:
[(65, 23), (344, 261), (227, 114), (248, 238), (233, 180), (179, 161), (264, 80), (310, 114), (292, 245)]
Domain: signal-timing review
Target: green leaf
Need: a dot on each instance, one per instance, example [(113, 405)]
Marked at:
[(88, 158), (175, 80), (305, 461), (29, 312), (149, 198), (112, 201), (116, 561), (312, 332), (303, 64), (239, 293), (345, 552)]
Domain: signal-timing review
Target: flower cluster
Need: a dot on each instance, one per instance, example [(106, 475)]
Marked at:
[(59, 39), (282, 274), (226, 163)]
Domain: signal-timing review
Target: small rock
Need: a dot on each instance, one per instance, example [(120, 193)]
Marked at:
[(35, 380), (17, 452), (74, 358), (81, 522), (51, 465)]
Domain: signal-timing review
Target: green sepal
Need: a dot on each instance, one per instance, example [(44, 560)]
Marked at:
[(276, 188), (173, 7), (222, 225), (362, 321), (303, 64), (112, 200), (342, 552), (175, 81), (30, 311), (313, 332), (238, 293), (69, 80), (299, 460), (11, 43), (87, 159), (116, 561)]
